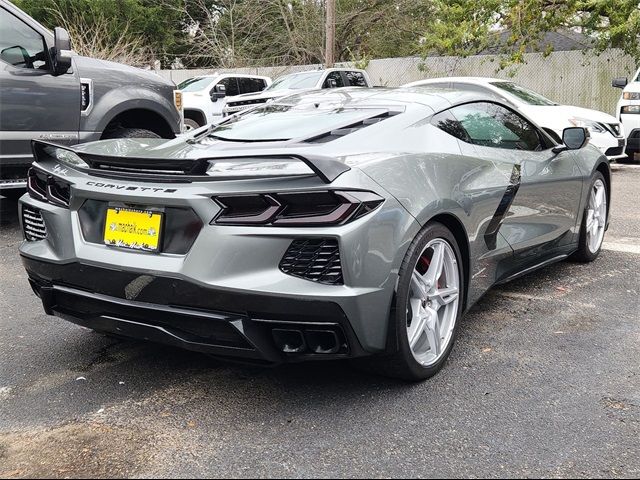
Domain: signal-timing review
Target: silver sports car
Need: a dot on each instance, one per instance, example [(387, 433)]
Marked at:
[(347, 223)]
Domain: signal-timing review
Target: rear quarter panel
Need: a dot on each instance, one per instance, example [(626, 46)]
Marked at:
[(449, 180)]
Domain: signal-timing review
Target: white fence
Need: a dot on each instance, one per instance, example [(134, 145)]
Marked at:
[(573, 78)]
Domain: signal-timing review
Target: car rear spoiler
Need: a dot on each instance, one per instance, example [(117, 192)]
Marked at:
[(180, 170)]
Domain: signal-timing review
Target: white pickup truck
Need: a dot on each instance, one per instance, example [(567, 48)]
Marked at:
[(203, 97), (628, 110), (296, 82)]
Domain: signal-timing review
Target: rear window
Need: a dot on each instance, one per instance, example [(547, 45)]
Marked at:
[(284, 122), (296, 81), (524, 94)]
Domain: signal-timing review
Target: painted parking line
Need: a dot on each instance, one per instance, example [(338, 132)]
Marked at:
[(621, 247)]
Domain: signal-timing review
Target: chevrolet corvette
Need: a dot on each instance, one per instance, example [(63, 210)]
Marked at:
[(341, 224)]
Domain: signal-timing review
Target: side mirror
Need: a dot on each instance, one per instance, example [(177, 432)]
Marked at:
[(332, 83), (17, 56), (219, 91), (62, 51), (620, 82), (574, 138)]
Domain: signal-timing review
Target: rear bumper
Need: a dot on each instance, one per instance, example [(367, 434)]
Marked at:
[(612, 147), (176, 312), (633, 142)]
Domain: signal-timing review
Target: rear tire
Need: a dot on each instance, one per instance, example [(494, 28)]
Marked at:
[(416, 358), (593, 225), (190, 124), (130, 133)]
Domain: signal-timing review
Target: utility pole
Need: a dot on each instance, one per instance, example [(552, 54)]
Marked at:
[(330, 33)]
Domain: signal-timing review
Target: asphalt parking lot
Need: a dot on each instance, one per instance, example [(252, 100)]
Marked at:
[(544, 381)]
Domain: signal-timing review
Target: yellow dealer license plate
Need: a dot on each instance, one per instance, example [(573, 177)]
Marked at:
[(135, 229)]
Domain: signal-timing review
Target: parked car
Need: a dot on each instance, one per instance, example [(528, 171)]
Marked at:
[(628, 110), (606, 131), (49, 93), (337, 224), (296, 82), (203, 97)]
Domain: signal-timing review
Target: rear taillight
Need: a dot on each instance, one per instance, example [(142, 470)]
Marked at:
[(47, 188), (299, 209), (37, 185)]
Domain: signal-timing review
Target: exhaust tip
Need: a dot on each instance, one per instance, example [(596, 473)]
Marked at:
[(322, 341), (289, 341)]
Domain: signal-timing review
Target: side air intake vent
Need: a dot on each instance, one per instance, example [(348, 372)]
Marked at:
[(33, 224), (315, 259), (341, 132)]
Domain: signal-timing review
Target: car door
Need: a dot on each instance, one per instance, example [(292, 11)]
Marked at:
[(35, 102), (251, 85), (231, 89), (538, 214)]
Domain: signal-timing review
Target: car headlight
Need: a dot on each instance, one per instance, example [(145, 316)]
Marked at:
[(257, 167), (631, 95), (66, 157), (631, 109), (590, 125)]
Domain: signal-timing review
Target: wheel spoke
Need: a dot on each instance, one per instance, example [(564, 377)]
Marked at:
[(433, 331), (590, 220), (444, 296), (421, 288), (599, 197), (417, 329), (435, 268)]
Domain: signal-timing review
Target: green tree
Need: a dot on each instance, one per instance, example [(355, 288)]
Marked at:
[(467, 27), (146, 25)]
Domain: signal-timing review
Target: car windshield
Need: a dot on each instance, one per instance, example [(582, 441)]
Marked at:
[(195, 84), (296, 81), (524, 94), (275, 122)]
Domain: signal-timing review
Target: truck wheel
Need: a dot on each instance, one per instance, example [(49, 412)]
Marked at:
[(130, 133), (190, 124)]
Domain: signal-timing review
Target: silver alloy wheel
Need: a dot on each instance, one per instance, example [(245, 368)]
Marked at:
[(434, 296), (596, 216)]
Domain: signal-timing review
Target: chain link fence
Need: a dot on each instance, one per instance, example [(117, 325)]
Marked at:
[(579, 78)]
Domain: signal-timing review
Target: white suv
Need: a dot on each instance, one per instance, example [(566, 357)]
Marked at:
[(203, 98), (606, 132)]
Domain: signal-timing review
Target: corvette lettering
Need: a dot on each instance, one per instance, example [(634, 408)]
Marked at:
[(128, 188)]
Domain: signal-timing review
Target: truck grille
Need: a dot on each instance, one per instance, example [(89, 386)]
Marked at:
[(316, 259), (245, 103), (33, 224)]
